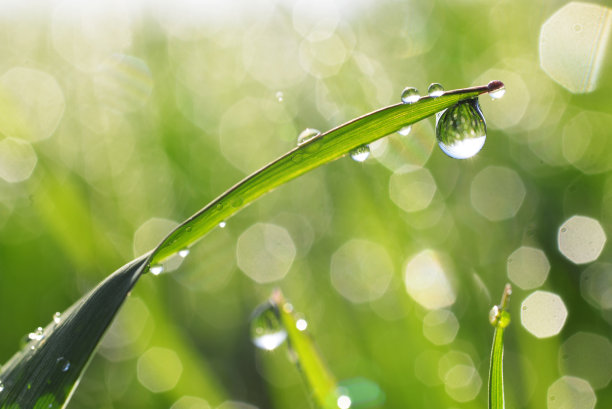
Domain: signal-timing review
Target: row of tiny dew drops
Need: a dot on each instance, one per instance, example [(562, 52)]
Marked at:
[(460, 130), (34, 339)]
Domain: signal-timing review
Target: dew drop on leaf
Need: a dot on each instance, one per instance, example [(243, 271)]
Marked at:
[(267, 331), (37, 335), (306, 135), (410, 95), (435, 90), (183, 252), (360, 153), (57, 317), (461, 129), (63, 364)]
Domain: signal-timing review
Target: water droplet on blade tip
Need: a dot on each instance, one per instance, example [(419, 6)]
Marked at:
[(435, 90), (410, 95), (461, 129), (267, 331)]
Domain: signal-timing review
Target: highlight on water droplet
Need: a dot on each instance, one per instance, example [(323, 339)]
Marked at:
[(63, 364), (360, 153), (1, 386), (156, 269), (461, 130), (301, 324), (280, 96), (222, 225), (37, 335), (267, 331), (405, 131), (183, 252), (410, 95), (57, 317), (306, 135), (435, 90), (344, 402)]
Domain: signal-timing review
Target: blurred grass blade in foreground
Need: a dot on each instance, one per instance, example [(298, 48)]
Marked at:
[(499, 317), (47, 370)]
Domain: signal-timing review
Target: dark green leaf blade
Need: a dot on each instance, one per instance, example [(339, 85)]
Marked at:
[(46, 371)]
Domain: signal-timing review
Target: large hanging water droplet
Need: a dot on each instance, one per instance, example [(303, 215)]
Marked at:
[(435, 90), (405, 131), (267, 331), (306, 135), (410, 95), (461, 129), (156, 269), (183, 252), (360, 153)]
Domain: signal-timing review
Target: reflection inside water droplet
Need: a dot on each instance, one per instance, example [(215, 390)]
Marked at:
[(156, 269), (267, 331), (461, 129), (405, 130), (410, 95), (435, 90), (307, 134), (360, 153)]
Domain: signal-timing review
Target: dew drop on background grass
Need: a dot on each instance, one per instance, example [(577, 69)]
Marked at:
[(57, 317), (361, 153), (405, 130), (410, 95), (280, 96), (461, 130), (435, 90), (306, 135), (222, 225), (267, 331)]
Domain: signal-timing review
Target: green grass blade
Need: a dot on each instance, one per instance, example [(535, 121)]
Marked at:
[(45, 372), (323, 149), (500, 319), (321, 381)]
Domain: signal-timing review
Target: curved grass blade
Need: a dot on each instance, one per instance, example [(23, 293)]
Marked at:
[(46, 371), (321, 381), (500, 319), (322, 149)]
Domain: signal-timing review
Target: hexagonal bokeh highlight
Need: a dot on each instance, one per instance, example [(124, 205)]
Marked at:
[(427, 281), (573, 42), (528, 267), (361, 270), (596, 285), (159, 369), (190, 402), (411, 188), (497, 193), (543, 314), (588, 356), (569, 392), (265, 252), (440, 327), (581, 239)]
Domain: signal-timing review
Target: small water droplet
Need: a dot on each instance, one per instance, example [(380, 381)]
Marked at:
[(496, 89), (222, 224), (435, 90), (461, 129), (183, 252), (57, 317), (37, 335), (280, 96), (405, 130), (63, 364), (306, 135), (188, 228), (301, 324), (344, 402), (360, 153), (267, 331), (1, 386), (156, 269), (563, 229), (410, 95)]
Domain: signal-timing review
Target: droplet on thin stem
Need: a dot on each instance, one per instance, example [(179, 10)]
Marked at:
[(435, 90), (306, 135)]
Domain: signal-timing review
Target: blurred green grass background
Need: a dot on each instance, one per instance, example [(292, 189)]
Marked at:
[(120, 119)]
